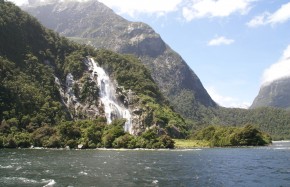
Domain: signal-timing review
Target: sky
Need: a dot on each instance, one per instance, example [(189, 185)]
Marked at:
[(234, 46)]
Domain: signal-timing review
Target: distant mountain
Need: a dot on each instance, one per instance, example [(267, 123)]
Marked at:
[(93, 23), (275, 94)]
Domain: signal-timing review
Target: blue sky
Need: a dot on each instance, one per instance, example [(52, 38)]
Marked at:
[(234, 46)]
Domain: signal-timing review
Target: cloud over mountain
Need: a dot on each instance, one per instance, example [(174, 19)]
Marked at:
[(23, 2), (133, 7), (279, 70), (226, 101), (214, 8), (188, 9)]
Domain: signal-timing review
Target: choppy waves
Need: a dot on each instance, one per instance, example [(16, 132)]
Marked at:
[(18, 181), (244, 166)]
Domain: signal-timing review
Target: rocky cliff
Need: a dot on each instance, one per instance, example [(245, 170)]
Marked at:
[(93, 23), (275, 94)]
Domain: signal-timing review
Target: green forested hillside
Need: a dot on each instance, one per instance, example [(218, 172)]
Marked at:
[(93, 22), (30, 56), (274, 121), (233, 136), (32, 110)]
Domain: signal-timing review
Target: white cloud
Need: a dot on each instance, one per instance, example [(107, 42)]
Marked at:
[(190, 9), (280, 16), (24, 2), (258, 20), (215, 8), (226, 101), (220, 41), (279, 70), (133, 7), (19, 2)]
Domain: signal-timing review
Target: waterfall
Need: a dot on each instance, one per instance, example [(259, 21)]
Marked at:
[(113, 109)]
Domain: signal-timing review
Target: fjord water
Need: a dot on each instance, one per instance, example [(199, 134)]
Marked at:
[(260, 166)]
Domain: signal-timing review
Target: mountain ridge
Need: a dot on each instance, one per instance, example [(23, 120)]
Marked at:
[(93, 23)]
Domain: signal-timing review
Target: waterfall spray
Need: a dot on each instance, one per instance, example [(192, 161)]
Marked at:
[(113, 108)]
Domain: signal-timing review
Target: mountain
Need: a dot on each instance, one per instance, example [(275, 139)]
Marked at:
[(93, 23), (57, 93), (274, 94)]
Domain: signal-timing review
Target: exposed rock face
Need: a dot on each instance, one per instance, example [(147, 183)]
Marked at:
[(137, 112), (275, 94), (122, 103), (77, 108), (93, 23)]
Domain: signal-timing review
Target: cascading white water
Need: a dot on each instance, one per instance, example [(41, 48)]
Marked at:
[(113, 110)]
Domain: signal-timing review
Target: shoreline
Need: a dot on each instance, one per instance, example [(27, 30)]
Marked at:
[(145, 149)]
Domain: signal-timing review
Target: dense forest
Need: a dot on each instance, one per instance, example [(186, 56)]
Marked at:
[(220, 136), (274, 121)]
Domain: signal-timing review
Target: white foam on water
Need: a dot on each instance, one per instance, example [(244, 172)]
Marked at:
[(187, 149), (23, 180), (282, 148), (50, 183), (6, 167), (83, 173), (155, 182)]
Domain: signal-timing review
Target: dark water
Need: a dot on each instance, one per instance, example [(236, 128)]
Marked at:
[(262, 166)]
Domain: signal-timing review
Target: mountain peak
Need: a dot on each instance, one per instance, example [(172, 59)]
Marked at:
[(93, 23)]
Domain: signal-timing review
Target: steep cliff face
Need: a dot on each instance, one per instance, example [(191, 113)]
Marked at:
[(275, 94), (93, 23)]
